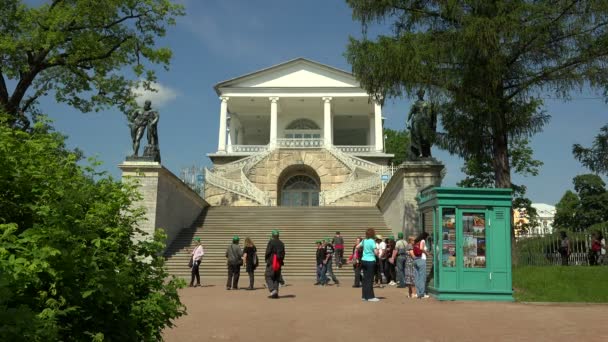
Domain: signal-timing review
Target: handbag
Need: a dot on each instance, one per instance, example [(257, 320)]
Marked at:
[(276, 265), (191, 262)]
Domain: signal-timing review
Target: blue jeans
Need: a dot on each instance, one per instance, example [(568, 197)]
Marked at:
[(400, 264), (321, 270), (419, 276)]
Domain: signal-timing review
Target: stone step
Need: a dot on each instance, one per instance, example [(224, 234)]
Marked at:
[(299, 229)]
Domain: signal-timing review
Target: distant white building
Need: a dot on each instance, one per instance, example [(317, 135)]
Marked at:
[(546, 215)]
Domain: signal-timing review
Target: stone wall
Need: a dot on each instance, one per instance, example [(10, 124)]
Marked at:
[(367, 198), (265, 175), (398, 201), (168, 202)]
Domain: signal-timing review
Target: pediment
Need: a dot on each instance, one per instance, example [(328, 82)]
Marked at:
[(298, 73)]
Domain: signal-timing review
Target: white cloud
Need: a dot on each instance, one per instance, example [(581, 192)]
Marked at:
[(160, 96)]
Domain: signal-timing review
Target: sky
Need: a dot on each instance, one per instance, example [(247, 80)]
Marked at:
[(222, 39)]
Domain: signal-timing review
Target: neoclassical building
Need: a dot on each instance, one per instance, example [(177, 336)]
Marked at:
[(299, 133)]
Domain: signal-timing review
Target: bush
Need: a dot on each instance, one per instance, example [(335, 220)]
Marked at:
[(69, 268)]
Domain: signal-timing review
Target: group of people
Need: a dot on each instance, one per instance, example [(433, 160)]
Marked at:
[(401, 262), (247, 256), (375, 260)]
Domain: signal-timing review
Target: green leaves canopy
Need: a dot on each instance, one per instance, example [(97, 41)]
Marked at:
[(585, 209), (486, 62), (79, 50), (397, 143), (595, 157), (69, 269)]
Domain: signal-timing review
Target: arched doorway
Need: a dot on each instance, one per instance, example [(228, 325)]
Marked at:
[(299, 186)]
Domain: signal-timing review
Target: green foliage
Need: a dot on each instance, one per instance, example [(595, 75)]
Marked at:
[(560, 284), (79, 51), (589, 207), (596, 157), (480, 174), (565, 211), (397, 143), (69, 268), (486, 62)]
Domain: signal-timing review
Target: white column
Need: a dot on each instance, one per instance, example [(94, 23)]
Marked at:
[(327, 129), (230, 134), (221, 144), (378, 134), (372, 140), (273, 120)]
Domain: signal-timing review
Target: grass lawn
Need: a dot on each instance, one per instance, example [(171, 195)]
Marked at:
[(561, 284)]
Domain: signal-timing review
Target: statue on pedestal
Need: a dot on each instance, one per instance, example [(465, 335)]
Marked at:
[(140, 120), (422, 123)]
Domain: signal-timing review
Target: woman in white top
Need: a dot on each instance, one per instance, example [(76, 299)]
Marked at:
[(197, 257)]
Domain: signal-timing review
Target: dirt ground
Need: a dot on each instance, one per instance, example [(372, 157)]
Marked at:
[(309, 313)]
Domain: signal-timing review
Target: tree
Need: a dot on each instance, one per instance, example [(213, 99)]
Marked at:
[(397, 143), (565, 211), (585, 209), (69, 269), (594, 201), (486, 61), (79, 51), (479, 174), (595, 158)]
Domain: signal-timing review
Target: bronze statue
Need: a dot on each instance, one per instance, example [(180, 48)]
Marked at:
[(422, 123), (140, 120)]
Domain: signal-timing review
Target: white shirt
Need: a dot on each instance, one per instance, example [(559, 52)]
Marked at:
[(423, 247), (381, 247), (198, 253)]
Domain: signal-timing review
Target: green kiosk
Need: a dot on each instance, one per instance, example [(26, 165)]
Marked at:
[(471, 244)]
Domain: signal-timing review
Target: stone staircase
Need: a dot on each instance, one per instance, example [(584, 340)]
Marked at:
[(299, 227)]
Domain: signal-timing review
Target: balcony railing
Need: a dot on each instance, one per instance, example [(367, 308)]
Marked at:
[(249, 148), (300, 143), (356, 149)]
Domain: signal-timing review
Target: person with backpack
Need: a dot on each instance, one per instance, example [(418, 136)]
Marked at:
[(275, 254), (419, 252), (596, 250), (564, 248), (321, 264), (398, 259), (329, 252), (338, 243), (409, 273), (355, 258), (250, 256), (234, 254)]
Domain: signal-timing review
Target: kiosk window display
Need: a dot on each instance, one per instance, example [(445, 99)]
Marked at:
[(472, 258)]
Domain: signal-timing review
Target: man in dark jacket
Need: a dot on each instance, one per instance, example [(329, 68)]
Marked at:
[(275, 247), (234, 254)]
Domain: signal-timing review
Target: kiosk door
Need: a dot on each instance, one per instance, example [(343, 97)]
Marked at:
[(471, 252)]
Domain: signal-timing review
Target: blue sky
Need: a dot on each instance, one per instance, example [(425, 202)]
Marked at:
[(221, 39)]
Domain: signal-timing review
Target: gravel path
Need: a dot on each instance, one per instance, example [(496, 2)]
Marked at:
[(309, 313)]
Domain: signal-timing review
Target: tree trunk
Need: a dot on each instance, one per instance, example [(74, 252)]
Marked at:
[(502, 169)]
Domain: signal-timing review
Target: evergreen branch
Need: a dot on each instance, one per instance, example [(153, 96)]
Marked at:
[(432, 14), (522, 50)]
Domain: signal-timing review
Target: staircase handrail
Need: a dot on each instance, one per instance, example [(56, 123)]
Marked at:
[(349, 188), (238, 164), (353, 162), (260, 196), (229, 185), (255, 159)]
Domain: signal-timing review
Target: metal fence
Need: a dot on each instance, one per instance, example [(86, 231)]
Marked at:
[(194, 177), (543, 250)]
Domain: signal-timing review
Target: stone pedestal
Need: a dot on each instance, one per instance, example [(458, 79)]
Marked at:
[(398, 201), (168, 202)]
